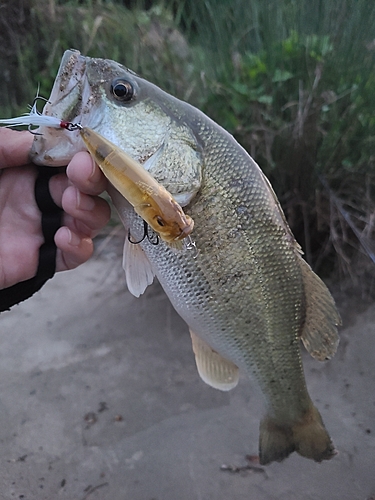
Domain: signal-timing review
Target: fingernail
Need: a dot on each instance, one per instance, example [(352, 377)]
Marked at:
[(84, 202), (93, 168), (74, 240)]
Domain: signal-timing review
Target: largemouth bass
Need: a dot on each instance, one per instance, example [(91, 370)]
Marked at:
[(247, 296)]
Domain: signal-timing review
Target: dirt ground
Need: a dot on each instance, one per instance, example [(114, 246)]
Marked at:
[(100, 400)]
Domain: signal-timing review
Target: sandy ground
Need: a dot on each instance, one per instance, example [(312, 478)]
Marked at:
[(100, 399)]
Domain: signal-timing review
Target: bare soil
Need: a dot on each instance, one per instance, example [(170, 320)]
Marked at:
[(100, 399)]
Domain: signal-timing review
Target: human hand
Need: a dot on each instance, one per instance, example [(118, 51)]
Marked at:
[(20, 219)]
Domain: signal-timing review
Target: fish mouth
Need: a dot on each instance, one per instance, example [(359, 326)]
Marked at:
[(69, 101)]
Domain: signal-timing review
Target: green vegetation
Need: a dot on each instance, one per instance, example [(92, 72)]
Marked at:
[(293, 80), (34, 35)]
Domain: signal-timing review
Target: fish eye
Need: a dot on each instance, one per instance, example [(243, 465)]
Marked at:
[(122, 90), (160, 221)]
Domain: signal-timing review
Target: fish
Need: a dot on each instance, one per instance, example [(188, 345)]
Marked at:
[(247, 295), (150, 199)]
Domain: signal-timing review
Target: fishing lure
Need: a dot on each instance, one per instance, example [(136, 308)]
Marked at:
[(150, 200)]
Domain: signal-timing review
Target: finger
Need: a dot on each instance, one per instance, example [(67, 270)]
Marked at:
[(86, 175), (57, 185), (92, 211), (73, 250), (83, 173), (14, 148)]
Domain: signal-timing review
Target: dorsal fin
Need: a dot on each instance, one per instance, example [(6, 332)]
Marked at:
[(213, 369), (137, 267), (319, 333)]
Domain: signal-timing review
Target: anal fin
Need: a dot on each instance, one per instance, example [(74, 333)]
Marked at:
[(213, 369), (137, 267), (319, 333)]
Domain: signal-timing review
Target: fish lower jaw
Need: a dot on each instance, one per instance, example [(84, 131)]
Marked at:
[(61, 148)]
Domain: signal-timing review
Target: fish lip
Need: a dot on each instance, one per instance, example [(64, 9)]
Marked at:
[(70, 80), (69, 101)]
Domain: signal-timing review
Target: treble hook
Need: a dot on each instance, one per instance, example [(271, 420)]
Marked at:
[(32, 131), (36, 99), (152, 238)]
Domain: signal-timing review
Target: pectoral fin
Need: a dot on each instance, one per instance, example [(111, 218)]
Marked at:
[(137, 267), (213, 369), (319, 333)]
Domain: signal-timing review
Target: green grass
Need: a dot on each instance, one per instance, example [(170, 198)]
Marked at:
[(294, 82), (34, 35)]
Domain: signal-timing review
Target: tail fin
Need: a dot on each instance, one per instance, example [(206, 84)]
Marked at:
[(308, 437)]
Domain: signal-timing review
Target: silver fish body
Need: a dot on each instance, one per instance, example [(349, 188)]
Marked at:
[(247, 295)]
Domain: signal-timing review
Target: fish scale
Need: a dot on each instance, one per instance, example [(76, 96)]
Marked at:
[(262, 314), (247, 295)]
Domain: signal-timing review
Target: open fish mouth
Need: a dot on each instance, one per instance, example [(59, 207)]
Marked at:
[(70, 100)]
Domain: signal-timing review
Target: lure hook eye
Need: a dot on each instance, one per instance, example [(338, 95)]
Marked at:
[(71, 126)]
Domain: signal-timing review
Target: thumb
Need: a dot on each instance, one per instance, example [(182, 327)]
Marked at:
[(14, 148)]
